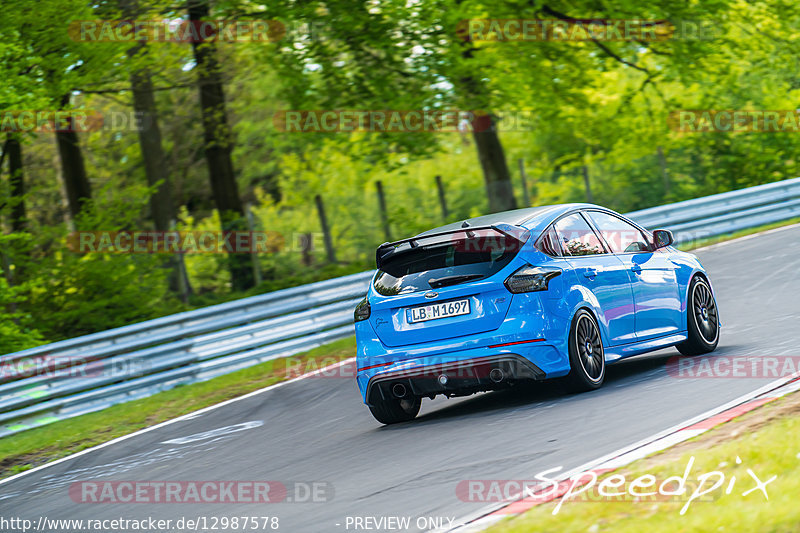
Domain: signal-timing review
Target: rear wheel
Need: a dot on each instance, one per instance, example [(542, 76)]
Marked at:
[(586, 357), (393, 410), (702, 320)]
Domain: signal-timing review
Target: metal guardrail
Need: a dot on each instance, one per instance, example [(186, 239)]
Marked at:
[(142, 359), (726, 212), (76, 376)]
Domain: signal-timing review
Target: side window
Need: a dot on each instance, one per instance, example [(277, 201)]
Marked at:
[(577, 237), (620, 236), (549, 243)]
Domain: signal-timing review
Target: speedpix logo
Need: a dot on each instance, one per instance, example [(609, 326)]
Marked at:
[(588, 487)]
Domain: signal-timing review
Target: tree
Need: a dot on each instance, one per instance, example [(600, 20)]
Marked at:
[(16, 180), (218, 144), (73, 168), (162, 207)]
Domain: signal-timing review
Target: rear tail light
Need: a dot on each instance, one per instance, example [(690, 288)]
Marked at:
[(531, 279), (363, 311)]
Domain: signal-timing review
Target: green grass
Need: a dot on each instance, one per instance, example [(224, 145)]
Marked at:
[(766, 440), (731, 236), (43, 444)]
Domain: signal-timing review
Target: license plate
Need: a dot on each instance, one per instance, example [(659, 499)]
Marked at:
[(436, 311)]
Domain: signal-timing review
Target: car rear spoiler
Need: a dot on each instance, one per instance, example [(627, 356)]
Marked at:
[(388, 249)]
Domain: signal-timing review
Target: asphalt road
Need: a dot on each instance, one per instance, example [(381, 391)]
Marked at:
[(317, 430)]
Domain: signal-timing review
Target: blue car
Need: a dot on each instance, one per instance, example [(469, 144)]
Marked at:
[(529, 294)]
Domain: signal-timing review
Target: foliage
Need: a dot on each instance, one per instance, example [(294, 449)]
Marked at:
[(17, 328), (71, 294)]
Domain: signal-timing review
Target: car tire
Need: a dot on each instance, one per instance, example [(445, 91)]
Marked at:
[(393, 411), (586, 355), (702, 319)]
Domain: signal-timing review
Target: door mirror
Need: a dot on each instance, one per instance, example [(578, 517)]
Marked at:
[(662, 238)]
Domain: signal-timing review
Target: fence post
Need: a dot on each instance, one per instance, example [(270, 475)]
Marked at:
[(442, 198), (179, 277), (662, 162), (5, 263), (251, 228), (326, 232), (384, 215), (587, 184), (307, 244), (184, 286), (525, 196)]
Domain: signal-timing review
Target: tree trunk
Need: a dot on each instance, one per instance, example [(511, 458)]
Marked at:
[(13, 149), (662, 164), (16, 181), (218, 146), (76, 182), (587, 184), (162, 207), (155, 168), (496, 176), (493, 163), (523, 177)]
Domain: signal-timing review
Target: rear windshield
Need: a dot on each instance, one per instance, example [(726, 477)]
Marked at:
[(458, 259)]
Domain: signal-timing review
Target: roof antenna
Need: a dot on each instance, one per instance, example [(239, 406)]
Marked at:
[(465, 224)]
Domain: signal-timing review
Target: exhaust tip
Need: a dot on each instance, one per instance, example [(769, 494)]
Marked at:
[(496, 375), (399, 390)]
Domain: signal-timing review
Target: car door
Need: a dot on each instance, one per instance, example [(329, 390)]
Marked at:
[(655, 287), (601, 273)]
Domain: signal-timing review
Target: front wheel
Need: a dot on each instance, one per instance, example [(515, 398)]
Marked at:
[(702, 320), (393, 410), (586, 357)]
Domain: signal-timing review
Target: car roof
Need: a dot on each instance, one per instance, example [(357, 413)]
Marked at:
[(532, 218)]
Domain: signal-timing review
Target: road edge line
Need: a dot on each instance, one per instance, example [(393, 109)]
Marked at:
[(181, 418)]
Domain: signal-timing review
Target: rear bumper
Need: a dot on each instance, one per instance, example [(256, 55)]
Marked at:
[(531, 342), (457, 377)]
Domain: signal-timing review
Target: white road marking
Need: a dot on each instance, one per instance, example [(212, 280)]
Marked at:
[(244, 426), (181, 418)]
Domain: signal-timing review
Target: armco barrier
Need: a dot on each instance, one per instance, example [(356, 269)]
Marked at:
[(723, 213), (173, 350), (198, 345)]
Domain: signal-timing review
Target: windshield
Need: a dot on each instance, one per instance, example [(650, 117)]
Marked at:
[(459, 259)]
